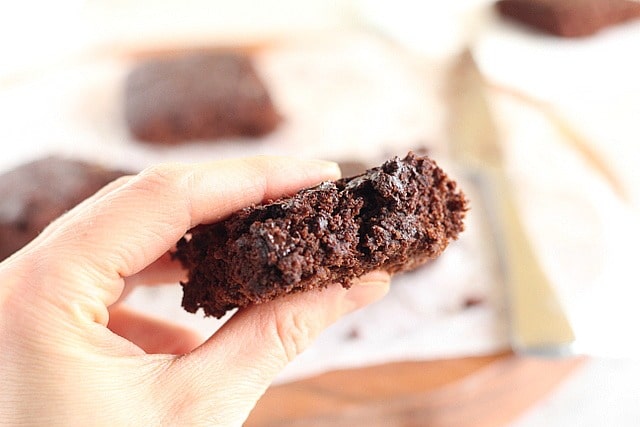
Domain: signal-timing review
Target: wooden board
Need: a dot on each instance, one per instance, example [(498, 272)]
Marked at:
[(478, 391)]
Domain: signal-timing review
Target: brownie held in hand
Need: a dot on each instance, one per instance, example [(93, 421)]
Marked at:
[(394, 217), (197, 96)]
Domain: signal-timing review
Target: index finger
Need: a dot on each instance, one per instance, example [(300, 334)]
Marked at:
[(127, 229)]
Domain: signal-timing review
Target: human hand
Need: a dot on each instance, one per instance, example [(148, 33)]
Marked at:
[(73, 355)]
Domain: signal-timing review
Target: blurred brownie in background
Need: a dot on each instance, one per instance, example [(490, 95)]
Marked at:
[(570, 18), (197, 96), (34, 194)]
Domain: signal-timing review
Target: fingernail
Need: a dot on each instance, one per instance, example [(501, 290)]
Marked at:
[(373, 278), (368, 289), (330, 168)]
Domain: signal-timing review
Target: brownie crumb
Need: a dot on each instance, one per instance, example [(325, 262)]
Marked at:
[(394, 217), (472, 301), (353, 334)]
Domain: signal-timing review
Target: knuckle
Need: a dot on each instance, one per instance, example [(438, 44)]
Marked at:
[(118, 182), (294, 332), (258, 170), (171, 182), (162, 177)]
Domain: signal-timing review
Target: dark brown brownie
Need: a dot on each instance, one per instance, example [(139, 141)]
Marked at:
[(570, 18), (393, 217), (36, 193), (197, 96)]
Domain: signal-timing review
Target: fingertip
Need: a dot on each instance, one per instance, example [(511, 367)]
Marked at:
[(328, 168), (368, 289), (309, 171), (374, 277)]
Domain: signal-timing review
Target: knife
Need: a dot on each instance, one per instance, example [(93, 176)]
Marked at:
[(538, 324)]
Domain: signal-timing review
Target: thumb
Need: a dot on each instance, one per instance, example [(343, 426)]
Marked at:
[(243, 357)]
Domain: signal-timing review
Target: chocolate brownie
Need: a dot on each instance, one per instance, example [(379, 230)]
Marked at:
[(394, 217), (570, 18), (197, 96), (34, 194)]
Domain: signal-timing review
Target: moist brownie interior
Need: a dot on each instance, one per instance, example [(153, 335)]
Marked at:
[(394, 217)]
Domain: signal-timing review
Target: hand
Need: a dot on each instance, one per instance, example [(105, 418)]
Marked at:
[(73, 355)]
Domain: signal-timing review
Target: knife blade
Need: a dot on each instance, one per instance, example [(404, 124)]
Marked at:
[(538, 324)]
